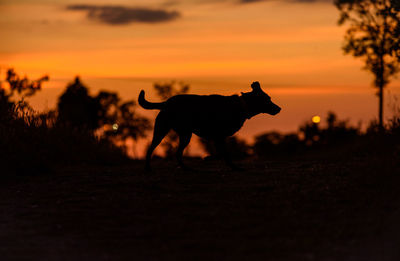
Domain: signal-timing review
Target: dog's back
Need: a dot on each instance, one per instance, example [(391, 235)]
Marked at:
[(208, 116)]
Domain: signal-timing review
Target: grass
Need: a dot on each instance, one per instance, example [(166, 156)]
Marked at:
[(33, 144), (76, 197), (326, 209)]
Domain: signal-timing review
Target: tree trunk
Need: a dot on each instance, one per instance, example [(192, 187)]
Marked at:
[(380, 94), (381, 85), (381, 73)]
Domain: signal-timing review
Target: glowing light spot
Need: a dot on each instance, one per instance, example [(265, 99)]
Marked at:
[(115, 127), (316, 119)]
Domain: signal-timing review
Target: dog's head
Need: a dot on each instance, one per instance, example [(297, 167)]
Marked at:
[(259, 102)]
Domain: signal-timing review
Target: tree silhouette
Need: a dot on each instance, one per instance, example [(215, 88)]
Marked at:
[(119, 120), (114, 120), (77, 109), (169, 89), (373, 34), (165, 91), (17, 85), (24, 86)]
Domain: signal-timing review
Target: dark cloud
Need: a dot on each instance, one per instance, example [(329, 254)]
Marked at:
[(291, 1), (120, 15)]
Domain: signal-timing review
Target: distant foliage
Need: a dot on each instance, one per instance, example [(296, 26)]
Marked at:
[(77, 109), (23, 86), (32, 143), (17, 85), (236, 147), (309, 136), (394, 126), (169, 89), (273, 143), (119, 119), (336, 132), (114, 119)]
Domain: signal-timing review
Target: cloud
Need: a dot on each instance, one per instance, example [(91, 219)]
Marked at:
[(175, 2), (291, 1), (121, 15)]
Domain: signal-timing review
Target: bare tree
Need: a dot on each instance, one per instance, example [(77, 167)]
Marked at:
[(373, 34)]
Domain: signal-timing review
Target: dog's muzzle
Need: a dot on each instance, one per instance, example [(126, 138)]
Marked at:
[(275, 110)]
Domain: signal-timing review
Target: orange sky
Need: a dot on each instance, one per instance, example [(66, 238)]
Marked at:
[(293, 47), (220, 38)]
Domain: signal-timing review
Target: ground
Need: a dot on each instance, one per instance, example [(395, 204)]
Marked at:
[(297, 209)]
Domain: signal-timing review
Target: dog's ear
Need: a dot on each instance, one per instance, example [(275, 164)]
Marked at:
[(256, 86)]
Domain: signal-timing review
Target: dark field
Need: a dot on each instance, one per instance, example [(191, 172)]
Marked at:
[(276, 210)]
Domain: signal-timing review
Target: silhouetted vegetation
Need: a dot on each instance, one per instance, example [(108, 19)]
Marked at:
[(33, 142), (275, 143), (77, 109), (335, 132), (17, 86), (310, 136), (87, 128), (237, 148), (373, 35), (114, 119), (119, 120), (335, 138)]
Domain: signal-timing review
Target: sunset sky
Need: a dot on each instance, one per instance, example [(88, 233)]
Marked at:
[(293, 47)]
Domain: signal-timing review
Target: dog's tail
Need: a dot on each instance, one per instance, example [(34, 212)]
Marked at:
[(149, 105)]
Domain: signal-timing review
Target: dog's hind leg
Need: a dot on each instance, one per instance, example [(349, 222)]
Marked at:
[(161, 129), (184, 139)]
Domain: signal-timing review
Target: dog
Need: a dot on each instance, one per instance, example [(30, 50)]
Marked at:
[(213, 117)]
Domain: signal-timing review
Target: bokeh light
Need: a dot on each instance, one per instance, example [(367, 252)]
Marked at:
[(316, 119)]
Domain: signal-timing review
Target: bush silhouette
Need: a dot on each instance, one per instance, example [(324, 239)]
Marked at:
[(33, 143), (105, 113), (310, 136), (77, 109), (17, 86), (237, 148)]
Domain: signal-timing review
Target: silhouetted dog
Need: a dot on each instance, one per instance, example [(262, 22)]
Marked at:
[(212, 117)]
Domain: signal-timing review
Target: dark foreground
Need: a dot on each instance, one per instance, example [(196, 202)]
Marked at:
[(276, 210)]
